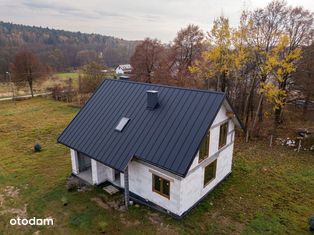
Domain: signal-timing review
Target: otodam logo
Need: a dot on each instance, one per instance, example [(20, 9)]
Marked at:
[(32, 221)]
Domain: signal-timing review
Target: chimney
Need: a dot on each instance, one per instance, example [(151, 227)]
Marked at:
[(152, 99)]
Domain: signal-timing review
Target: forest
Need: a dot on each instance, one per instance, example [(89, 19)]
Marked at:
[(61, 50)]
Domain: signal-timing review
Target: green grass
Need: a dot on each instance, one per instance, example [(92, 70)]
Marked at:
[(269, 192), (66, 75)]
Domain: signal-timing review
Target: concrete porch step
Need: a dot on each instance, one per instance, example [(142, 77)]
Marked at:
[(111, 189)]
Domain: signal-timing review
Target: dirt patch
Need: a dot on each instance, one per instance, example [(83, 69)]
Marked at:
[(22, 213), (11, 192), (127, 222), (100, 203), (237, 227), (154, 218), (1, 200)]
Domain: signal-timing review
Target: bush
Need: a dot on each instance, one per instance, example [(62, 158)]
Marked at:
[(102, 226), (64, 201), (37, 147)]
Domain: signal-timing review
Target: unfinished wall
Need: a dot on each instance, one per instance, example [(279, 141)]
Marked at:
[(192, 186), (140, 183), (74, 162), (101, 173)]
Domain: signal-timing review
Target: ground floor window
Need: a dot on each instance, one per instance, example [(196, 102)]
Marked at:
[(161, 186), (210, 172)]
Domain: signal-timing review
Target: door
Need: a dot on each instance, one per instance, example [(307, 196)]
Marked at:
[(84, 162)]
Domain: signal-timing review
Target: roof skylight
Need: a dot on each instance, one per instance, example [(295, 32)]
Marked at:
[(122, 123)]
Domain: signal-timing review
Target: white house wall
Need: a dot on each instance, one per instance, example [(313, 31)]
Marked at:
[(119, 71), (74, 162), (101, 173), (192, 186), (140, 183)]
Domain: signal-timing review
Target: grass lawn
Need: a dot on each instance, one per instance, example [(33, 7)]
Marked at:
[(66, 75), (271, 191)]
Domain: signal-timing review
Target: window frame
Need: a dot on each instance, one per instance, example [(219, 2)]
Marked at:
[(215, 172), (204, 140), (162, 180), (220, 145)]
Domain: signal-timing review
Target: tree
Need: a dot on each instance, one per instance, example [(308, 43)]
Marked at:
[(268, 28), (27, 68), (222, 61), (257, 59), (304, 75), (91, 77), (146, 60), (280, 62), (187, 47)]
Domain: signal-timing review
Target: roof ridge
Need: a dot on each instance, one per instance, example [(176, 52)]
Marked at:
[(167, 86)]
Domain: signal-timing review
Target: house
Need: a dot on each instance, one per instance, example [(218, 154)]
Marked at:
[(166, 147), (124, 69)]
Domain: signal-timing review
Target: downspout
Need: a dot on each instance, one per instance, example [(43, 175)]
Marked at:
[(126, 187)]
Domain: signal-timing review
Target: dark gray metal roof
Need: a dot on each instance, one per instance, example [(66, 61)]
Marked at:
[(167, 137)]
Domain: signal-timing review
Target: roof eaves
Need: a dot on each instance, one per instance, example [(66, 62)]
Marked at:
[(210, 124), (236, 115)]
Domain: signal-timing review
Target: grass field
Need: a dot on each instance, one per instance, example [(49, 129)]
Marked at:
[(66, 75), (269, 192), (39, 86)]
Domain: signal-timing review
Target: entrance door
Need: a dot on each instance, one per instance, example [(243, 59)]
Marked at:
[(117, 178), (84, 162)]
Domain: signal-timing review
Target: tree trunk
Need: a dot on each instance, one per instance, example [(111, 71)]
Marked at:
[(279, 110), (30, 83), (248, 103), (258, 111), (278, 116)]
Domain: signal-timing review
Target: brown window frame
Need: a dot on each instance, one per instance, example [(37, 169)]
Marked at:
[(206, 142), (162, 180), (214, 165), (222, 131)]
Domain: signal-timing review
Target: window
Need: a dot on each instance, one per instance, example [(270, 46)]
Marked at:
[(161, 186), (122, 123), (223, 135), (204, 148), (210, 172)]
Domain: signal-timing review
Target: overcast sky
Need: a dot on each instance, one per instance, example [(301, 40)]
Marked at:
[(128, 19)]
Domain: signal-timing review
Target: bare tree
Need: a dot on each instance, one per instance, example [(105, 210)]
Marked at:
[(146, 60), (186, 48), (27, 68), (304, 76)]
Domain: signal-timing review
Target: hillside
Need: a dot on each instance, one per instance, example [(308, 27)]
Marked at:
[(62, 49)]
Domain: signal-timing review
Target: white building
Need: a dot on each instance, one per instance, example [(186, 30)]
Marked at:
[(124, 69), (167, 147)]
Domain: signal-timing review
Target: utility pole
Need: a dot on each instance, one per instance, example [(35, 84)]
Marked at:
[(12, 86)]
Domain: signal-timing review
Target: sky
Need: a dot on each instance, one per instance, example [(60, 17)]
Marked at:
[(129, 19)]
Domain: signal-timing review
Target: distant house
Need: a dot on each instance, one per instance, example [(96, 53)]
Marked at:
[(124, 69), (167, 147)]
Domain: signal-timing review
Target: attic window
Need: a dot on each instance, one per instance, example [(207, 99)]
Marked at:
[(122, 123)]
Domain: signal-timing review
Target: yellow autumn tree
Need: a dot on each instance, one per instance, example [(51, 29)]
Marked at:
[(215, 62), (280, 64)]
